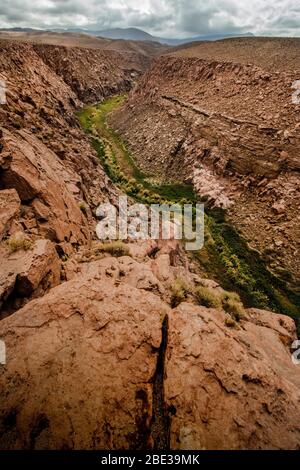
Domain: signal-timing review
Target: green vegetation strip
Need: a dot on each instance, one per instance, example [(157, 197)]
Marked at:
[(119, 164), (226, 256)]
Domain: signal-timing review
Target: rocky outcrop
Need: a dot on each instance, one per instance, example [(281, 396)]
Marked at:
[(233, 130), (9, 210), (224, 112), (231, 389), (125, 377), (96, 345), (40, 102), (26, 273), (50, 178), (107, 73), (46, 188)]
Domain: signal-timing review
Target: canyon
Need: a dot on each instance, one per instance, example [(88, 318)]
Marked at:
[(143, 345), (230, 127)]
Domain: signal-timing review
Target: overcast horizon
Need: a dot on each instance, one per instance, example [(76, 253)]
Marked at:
[(164, 18)]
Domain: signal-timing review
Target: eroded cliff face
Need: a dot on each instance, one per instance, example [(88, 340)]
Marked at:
[(234, 131), (46, 161), (94, 74)]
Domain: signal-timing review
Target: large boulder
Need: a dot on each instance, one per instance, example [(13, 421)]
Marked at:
[(80, 364), (103, 362), (231, 388), (27, 273)]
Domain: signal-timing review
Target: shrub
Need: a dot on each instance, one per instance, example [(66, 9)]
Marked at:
[(16, 244), (232, 304), (122, 177), (116, 248), (234, 308), (147, 200), (17, 124), (131, 189), (231, 296), (208, 239), (229, 321), (83, 207), (179, 292), (260, 299), (145, 193), (156, 197), (207, 297)]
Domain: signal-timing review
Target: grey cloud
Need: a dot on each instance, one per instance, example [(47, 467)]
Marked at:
[(169, 18)]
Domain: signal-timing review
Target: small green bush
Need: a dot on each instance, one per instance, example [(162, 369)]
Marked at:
[(17, 124), (16, 244), (229, 321), (179, 292), (207, 297), (183, 201), (234, 308), (234, 296), (116, 248), (156, 197), (232, 304), (83, 207), (131, 189)]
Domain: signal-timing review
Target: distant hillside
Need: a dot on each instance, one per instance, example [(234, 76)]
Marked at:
[(20, 30), (77, 39), (133, 34), (272, 54), (136, 34), (207, 37)]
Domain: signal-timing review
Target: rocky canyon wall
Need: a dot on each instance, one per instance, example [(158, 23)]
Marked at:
[(231, 128), (47, 166)]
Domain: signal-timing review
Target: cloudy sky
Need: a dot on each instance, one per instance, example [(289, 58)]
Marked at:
[(168, 18)]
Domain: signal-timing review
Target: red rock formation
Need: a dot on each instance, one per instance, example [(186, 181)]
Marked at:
[(102, 361), (233, 130), (91, 365), (231, 389), (48, 170)]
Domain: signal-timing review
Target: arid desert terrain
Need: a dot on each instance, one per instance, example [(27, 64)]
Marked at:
[(144, 344)]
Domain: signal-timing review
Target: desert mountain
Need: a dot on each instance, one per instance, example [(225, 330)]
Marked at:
[(132, 34), (140, 35)]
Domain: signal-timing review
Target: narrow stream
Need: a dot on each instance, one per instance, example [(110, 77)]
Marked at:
[(226, 256)]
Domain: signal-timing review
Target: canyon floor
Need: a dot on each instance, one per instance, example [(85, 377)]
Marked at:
[(142, 344)]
